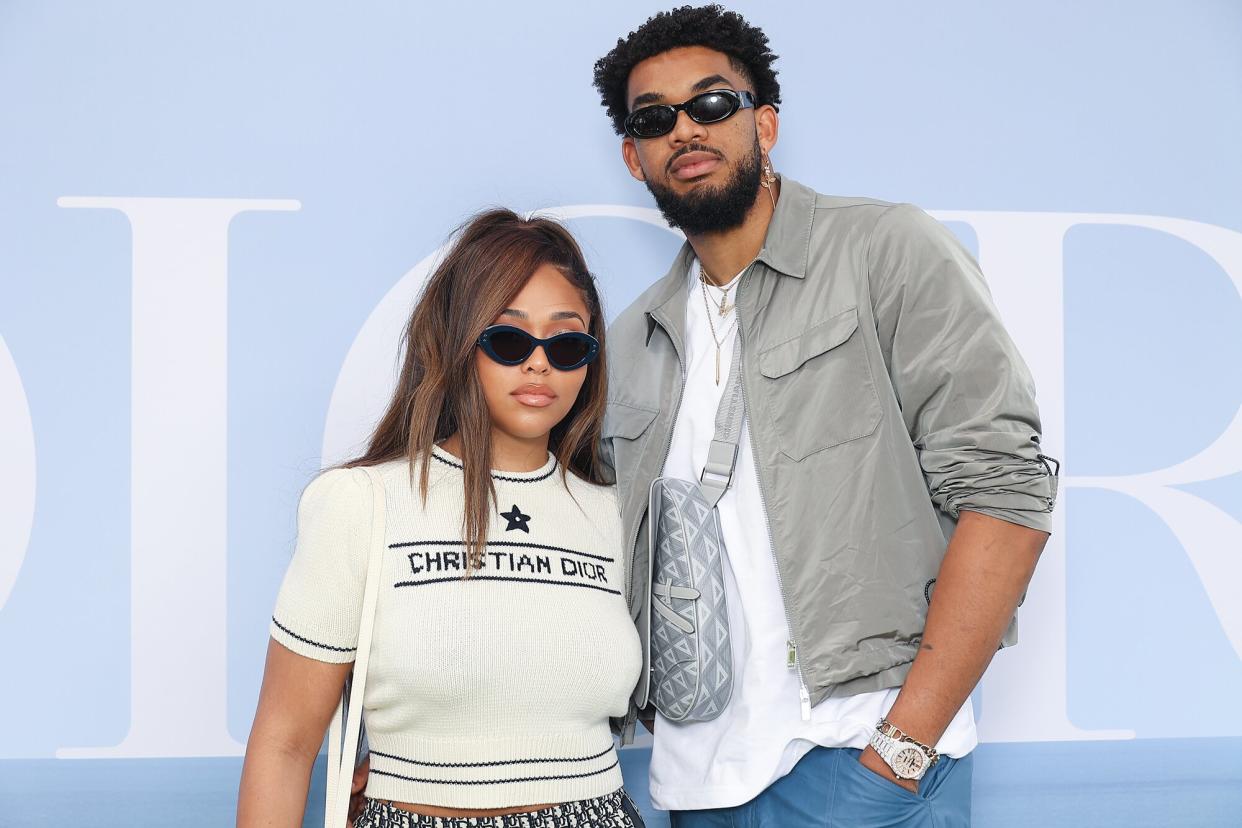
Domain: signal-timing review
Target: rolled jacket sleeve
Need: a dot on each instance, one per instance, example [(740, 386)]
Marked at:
[(966, 396)]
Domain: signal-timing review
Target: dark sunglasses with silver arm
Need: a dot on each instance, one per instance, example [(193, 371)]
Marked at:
[(705, 108)]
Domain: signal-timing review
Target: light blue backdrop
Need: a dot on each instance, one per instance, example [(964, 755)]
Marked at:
[(370, 130)]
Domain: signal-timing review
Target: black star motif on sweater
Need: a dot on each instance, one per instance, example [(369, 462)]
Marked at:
[(516, 519)]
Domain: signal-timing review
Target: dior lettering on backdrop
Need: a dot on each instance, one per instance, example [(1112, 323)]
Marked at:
[(17, 484), (180, 330), (179, 385)]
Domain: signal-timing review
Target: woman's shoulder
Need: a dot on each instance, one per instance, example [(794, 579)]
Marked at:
[(334, 487), (346, 489), (392, 470), (598, 494)]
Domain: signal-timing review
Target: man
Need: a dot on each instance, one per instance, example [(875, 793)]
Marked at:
[(889, 500)]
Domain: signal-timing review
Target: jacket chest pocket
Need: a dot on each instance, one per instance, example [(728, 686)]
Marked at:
[(623, 434), (818, 388)]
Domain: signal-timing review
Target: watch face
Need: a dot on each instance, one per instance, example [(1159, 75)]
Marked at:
[(908, 762)]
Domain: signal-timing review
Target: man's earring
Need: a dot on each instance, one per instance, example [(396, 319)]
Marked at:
[(767, 178)]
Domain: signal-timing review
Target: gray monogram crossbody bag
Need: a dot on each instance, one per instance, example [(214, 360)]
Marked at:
[(691, 655)]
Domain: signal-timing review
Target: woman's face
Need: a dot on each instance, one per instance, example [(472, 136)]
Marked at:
[(525, 401)]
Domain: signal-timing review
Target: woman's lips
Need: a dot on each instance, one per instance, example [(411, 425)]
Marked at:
[(536, 396)]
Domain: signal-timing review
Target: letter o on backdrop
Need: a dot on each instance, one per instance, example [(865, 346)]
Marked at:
[(17, 484)]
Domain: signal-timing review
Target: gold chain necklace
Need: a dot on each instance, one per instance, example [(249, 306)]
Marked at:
[(707, 305), (725, 307)]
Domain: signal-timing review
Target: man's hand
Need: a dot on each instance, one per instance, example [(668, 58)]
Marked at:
[(357, 801), (872, 762)]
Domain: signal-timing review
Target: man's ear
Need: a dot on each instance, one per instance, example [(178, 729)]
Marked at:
[(768, 126), (629, 154)]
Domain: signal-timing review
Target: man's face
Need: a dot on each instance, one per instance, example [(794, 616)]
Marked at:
[(704, 177)]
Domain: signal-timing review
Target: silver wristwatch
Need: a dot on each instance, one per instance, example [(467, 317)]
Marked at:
[(908, 758)]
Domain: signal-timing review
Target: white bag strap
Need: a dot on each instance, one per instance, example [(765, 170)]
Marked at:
[(348, 714)]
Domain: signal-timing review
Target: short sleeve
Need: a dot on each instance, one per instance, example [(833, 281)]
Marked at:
[(320, 600)]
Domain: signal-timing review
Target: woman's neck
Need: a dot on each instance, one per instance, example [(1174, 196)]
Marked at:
[(509, 453)]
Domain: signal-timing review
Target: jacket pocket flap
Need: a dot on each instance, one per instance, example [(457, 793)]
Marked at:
[(815, 340), (626, 421)]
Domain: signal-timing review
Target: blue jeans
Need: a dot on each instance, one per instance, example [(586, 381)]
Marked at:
[(828, 788)]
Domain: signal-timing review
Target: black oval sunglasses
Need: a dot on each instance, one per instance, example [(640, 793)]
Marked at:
[(512, 346), (705, 108)]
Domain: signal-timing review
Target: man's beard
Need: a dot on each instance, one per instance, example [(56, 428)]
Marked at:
[(711, 209)]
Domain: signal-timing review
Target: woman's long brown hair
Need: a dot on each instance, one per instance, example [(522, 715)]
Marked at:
[(438, 392)]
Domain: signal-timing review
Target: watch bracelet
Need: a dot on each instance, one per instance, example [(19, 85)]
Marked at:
[(886, 728)]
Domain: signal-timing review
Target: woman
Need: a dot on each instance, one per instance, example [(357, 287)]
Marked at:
[(502, 643)]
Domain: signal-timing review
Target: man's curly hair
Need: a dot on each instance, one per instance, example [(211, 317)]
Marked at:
[(710, 26)]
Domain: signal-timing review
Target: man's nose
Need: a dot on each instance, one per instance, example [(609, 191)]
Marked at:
[(686, 130)]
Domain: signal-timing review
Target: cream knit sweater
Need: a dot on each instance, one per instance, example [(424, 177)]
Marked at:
[(487, 691)]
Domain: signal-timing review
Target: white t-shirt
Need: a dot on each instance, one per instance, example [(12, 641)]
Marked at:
[(761, 734)]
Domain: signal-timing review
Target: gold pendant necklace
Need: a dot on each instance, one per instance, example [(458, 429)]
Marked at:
[(707, 305), (725, 307)]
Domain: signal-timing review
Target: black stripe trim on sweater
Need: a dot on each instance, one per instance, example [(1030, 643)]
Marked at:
[(288, 631), (520, 544), (505, 478), (498, 781), (492, 764), (461, 578)]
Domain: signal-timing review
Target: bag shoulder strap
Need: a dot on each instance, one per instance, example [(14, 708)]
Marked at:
[(722, 453), (348, 716)]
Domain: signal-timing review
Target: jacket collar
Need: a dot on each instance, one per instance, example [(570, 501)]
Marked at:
[(786, 249), (668, 303), (787, 246)]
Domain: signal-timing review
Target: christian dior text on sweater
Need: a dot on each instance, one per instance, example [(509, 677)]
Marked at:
[(486, 689)]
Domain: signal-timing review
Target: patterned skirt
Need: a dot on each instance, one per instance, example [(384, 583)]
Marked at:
[(614, 810)]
